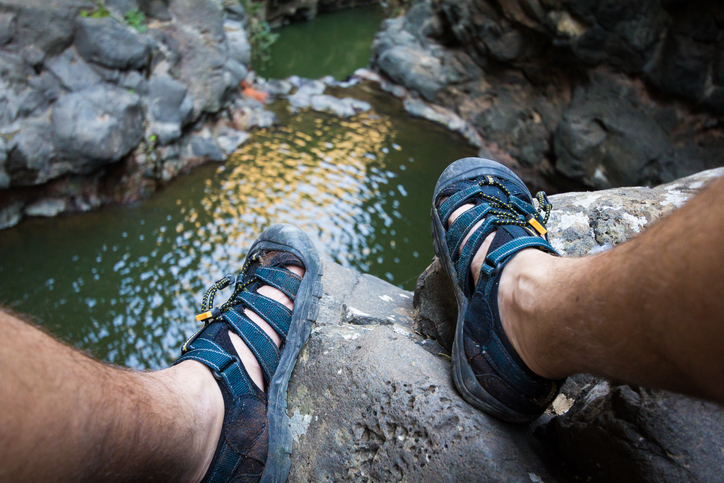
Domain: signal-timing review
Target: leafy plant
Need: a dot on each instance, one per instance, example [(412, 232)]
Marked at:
[(136, 19), (100, 12), (260, 34)]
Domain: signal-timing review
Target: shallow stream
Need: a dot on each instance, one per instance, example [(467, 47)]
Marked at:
[(124, 282)]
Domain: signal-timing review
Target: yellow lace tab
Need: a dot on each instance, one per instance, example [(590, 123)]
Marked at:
[(204, 316), (536, 224)]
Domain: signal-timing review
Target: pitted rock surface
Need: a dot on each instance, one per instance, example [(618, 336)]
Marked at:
[(369, 400)]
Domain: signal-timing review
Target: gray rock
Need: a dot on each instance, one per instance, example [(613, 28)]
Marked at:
[(201, 148), (346, 107), (627, 433), (57, 18), (7, 27), (247, 115), (229, 140), (46, 207), (369, 401), (277, 87), (414, 68), (121, 7), (96, 126), (169, 108), (606, 141), (14, 74), (10, 215), (32, 154), (134, 81), (205, 16), (42, 91), (239, 47), (203, 67), (235, 72), (72, 71), (104, 41), (157, 9), (302, 99), (234, 10), (418, 62)]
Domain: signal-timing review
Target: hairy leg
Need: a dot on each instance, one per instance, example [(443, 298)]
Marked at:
[(649, 312), (68, 417)]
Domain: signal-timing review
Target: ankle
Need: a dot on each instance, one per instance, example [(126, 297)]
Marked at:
[(522, 300), (201, 397)]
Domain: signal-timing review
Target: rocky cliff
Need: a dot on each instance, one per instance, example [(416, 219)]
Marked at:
[(573, 94), (103, 103), (372, 399)]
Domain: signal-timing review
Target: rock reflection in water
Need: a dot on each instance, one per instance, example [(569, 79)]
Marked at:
[(319, 182)]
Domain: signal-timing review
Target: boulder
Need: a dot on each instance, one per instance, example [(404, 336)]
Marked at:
[(106, 42), (604, 140), (239, 47), (229, 139), (169, 108), (46, 207), (345, 107), (204, 16), (372, 400), (96, 126), (598, 430), (42, 28), (7, 27), (72, 71), (629, 433), (32, 156)]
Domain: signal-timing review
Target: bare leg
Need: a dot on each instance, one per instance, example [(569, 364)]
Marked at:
[(67, 417), (649, 312)]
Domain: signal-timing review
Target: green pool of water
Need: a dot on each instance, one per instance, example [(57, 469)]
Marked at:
[(125, 282), (333, 44)]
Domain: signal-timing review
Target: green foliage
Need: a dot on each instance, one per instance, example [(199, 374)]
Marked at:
[(260, 34), (136, 19), (100, 12)]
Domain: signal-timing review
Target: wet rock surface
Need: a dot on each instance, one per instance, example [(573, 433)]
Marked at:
[(571, 94), (597, 430)]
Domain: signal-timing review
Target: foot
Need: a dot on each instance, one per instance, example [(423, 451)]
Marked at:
[(483, 217), (234, 362), (521, 279)]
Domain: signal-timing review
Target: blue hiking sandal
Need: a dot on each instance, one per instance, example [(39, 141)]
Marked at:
[(256, 441), (486, 368)]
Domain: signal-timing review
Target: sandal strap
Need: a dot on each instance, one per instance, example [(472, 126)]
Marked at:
[(273, 313), (224, 366), (455, 201), (264, 349), (462, 265), (498, 258), (462, 225), (281, 279)]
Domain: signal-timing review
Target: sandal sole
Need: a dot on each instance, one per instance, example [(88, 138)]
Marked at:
[(289, 238), (464, 377)]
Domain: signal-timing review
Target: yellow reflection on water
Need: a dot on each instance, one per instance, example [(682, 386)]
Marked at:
[(318, 182)]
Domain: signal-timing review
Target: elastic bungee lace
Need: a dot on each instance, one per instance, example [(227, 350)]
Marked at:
[(509, 214), (207, 302)]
